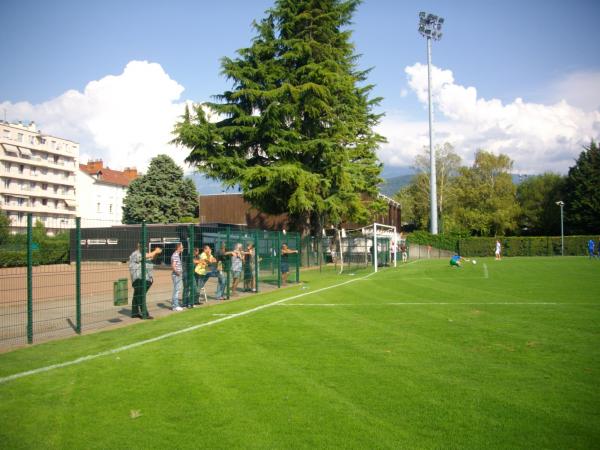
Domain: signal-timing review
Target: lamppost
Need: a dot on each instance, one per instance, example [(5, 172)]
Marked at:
[(562, 234), (430, 27)]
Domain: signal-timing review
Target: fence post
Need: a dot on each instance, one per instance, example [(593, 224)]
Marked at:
[(256, 260), (228, 246), (29, 278), (143, 252), (78, 275), (298, 257), (278, 259), (191, 279)]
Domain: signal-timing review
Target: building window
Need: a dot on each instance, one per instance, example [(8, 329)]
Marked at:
[(21, 168), (6, 134), (20, 137), (20, 201), (55, 159), (44, 186), (7, 184), (110, 209), (97, 207), (44, 201)]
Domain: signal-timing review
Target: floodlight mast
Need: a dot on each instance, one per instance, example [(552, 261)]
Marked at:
[(430, 27)]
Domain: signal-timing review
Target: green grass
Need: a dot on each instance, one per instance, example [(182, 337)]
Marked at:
[(363, 365)]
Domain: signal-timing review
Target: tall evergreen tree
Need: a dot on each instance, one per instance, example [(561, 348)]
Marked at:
[(582, 193), (162, 195), (295, 132), (537, 196)]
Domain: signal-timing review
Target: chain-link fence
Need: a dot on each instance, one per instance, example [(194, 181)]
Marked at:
[(87, 278)]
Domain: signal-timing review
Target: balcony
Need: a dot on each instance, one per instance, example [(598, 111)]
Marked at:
[(26, 207)]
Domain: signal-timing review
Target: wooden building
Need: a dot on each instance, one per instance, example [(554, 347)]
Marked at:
[(233, 209)]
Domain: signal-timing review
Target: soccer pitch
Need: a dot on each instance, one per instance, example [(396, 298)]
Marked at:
[(502, 354)]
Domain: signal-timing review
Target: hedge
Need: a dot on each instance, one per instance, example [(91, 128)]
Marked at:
[(511, 246), (49, 252), (525, 246)]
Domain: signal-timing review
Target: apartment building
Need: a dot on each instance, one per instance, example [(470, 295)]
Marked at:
[(37, 175), (100, 193)]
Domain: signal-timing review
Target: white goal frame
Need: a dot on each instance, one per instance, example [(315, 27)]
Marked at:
[(394, 240)]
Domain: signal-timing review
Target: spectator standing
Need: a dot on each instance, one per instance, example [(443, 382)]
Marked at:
[(498, 251), (249, 279), (207, 267), (285, 265), (591, 248), (138, 302), (237, 256), (403, 251), (176, 276)]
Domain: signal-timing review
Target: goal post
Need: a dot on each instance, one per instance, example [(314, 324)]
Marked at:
[(380, 233)]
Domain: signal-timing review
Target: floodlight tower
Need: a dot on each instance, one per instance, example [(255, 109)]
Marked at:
[(430, 27)]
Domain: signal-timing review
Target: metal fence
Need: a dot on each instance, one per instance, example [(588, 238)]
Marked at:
[(80, 280)]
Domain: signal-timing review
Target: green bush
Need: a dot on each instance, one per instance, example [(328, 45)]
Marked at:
[(525, 246), (447, 241), (47, 252)]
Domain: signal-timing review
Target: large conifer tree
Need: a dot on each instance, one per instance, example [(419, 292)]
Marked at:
[(582, 193), (295, 132)]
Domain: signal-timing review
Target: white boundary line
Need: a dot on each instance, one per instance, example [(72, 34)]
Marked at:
[(168, 335), (434, 303)]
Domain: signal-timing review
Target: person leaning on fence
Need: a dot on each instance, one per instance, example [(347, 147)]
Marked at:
[(249, 280), (176, 276), (207, 266), (138, 303), (285, 265), (404, 252), (237, 256)]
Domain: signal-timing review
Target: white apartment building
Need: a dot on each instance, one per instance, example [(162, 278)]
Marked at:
[(100, 194), (37, 175)]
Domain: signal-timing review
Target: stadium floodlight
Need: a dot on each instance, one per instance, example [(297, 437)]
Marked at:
[(562, 234), (430, 27)]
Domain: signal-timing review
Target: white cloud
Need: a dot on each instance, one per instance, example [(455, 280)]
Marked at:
[(580, 89), (537, 137), (125, 119)]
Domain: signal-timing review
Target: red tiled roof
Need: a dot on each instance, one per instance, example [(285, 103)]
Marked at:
[(107, 175)]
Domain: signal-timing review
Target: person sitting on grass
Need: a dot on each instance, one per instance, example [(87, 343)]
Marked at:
[(457, 260)]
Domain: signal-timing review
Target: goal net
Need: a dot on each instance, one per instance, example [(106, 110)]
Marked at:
[(372, 246)]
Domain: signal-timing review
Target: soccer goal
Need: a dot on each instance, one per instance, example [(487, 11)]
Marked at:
[(372, 246)]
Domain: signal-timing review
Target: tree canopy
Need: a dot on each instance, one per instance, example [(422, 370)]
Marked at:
[(537, 196), (582, 193), (4, 227), (485, 201), (295, 131), (162, 195)]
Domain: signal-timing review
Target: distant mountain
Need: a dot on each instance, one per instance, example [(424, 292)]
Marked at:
[(206, 186), (392, 185)]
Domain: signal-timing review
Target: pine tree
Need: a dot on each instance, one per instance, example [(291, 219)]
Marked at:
[(162, 195), (582, 193), (295, 132)]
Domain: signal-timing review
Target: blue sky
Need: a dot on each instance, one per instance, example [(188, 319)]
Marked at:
[(74, 67)]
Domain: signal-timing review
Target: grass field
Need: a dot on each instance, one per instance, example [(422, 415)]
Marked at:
[(494, 355)]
